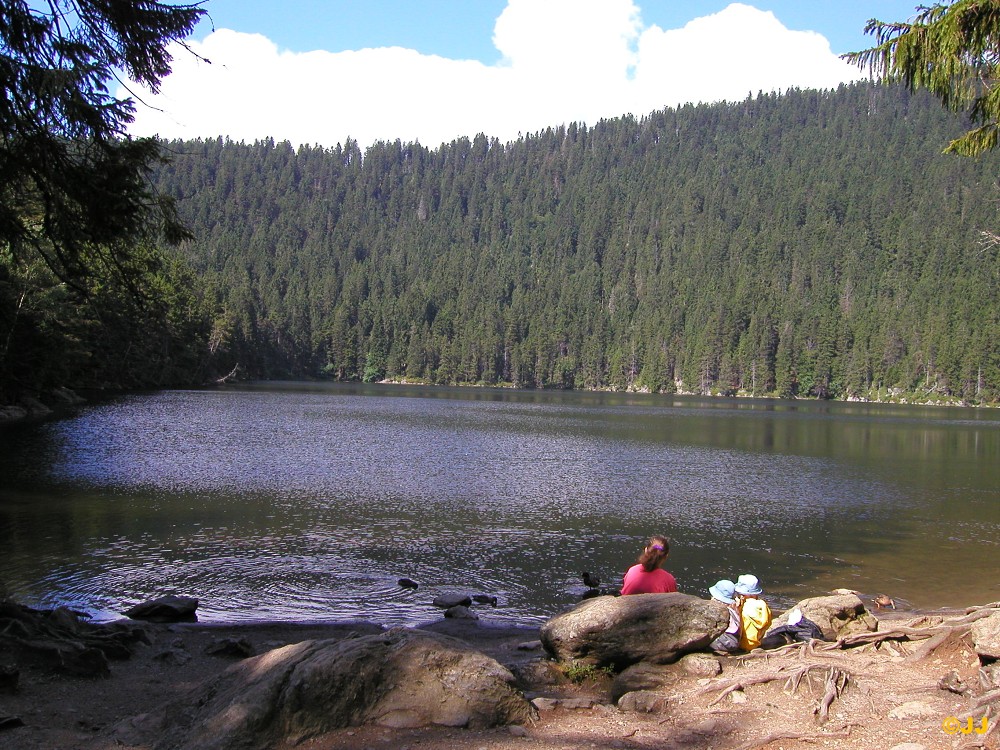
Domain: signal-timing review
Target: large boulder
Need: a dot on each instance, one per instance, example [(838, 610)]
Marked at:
[(986, 637), (838, 616), (618, 631), (400, 678)]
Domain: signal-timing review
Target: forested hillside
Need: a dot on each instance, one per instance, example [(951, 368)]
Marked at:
[(803, 244)]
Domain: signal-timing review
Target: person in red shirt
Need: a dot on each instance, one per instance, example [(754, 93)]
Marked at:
[(647, 576)]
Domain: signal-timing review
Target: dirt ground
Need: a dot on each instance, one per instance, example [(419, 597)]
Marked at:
[(890, 696)]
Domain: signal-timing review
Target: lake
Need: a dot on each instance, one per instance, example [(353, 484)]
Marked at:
[(310, 501)]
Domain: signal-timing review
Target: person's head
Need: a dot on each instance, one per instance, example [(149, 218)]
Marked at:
[(655, 553), (723, 591), (748, 586)]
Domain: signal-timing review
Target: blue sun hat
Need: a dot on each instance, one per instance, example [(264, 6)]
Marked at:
[(748, 585), (724, 591)]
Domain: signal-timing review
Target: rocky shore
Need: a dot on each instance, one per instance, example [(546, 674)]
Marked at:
[(629, 672), (29, 407)]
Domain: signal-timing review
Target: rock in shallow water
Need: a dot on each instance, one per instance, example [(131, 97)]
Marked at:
[(165, 609)]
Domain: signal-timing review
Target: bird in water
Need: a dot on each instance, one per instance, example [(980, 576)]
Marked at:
[(590, 580), (485, 599), (408, 583)]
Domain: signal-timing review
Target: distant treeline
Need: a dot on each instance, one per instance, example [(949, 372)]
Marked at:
[(802, 244)]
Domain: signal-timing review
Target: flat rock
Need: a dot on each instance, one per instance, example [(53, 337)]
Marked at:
[(913, 710)]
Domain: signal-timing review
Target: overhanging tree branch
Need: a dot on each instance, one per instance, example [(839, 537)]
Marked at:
[(74, 187), (951, 50)]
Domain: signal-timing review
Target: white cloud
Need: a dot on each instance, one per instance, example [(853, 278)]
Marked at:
[(563, 61)]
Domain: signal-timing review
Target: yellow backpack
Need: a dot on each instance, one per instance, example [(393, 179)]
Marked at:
[(755, 619)]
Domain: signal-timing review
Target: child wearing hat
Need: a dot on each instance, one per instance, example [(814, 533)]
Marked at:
[(755, 615), (725, 592)]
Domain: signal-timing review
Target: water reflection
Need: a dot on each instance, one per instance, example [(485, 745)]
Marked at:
[(309, 501)]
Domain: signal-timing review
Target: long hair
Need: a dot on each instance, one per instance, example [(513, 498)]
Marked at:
[(655, 553)]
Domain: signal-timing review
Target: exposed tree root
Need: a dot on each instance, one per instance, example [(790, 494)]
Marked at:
[(938, 634), (741, 683), (60, 636), (982, 700), (836, 682), (778, 736)]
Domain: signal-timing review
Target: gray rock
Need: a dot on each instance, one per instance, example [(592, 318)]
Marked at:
[(536, 673), (545, 704), (643, 677), (165, 609), (644, 701), (621, 631), (238, 647), (35, 407), (986, 637), (83, 661), (447, 601), (11, 413), (400, 678), (460, 612), (701, 665), (837, 616), (67, 397), (913, 710), (577, 704), (175, 657)]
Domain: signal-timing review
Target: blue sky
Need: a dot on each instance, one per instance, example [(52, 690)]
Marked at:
[(318, 71), (463, 29)]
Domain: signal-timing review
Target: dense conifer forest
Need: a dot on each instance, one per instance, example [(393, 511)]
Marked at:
[(810, 243), (803, 244)]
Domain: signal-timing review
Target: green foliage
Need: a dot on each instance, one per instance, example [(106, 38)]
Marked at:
[(808, 244), (579, 672), (74, 190), (951, 50), (84, 298), (105, 338)]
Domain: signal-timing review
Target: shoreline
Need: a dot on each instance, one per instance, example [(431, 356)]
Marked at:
[(893, 693), (64, 400), (898, 398)]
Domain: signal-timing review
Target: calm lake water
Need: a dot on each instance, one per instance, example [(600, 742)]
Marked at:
[(310, 501)]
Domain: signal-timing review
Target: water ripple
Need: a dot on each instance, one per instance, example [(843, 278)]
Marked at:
[(311, 502)]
